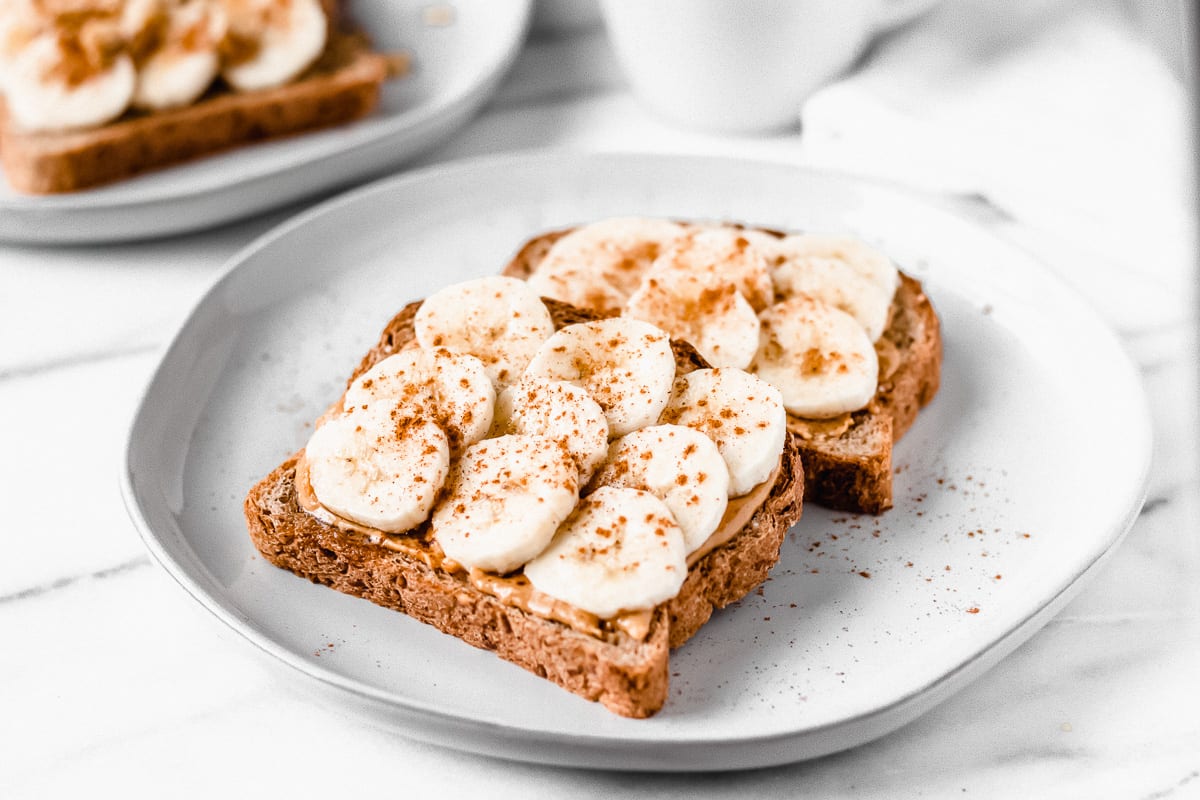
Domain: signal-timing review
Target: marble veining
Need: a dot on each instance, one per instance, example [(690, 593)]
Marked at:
[(70, 580), (73, 360)]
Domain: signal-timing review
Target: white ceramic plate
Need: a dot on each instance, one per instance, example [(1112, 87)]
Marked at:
[(455, 68), (1010, 487)]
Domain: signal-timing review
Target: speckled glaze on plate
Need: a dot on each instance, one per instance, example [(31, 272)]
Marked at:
[(1008, 491), (459, 56)]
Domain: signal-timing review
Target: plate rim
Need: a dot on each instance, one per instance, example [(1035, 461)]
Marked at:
[(1002, 645)]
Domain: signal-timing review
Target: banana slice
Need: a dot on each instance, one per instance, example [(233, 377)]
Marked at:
[(450, 388), (378, 465), (578, 284), (680, 466), (186, 61), (725, 252), (626, 365), (835, 283), (819, 357), (742, 414), (620, 551), (703, 309), (856, 254), (19, 25), (560, 411), (500, 321), (141, 22), (765, 243), (599, 265), (51, 87), (507, 497), (279, 39)]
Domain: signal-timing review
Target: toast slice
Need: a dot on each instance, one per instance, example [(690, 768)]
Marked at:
[(628, 674), (847, 462), (341, 86), (851, 469)]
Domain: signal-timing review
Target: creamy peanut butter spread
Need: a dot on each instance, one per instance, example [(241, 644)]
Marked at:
[(808, 429), (737, 516), (514, 589)]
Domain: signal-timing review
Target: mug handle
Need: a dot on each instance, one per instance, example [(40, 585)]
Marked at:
[(893, 13)]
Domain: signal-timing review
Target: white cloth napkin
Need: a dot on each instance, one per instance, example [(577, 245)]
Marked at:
[(1060, 113)]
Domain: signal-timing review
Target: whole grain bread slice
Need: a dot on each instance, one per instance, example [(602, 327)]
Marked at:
[(341, 86), (850, 467), (627, 675)]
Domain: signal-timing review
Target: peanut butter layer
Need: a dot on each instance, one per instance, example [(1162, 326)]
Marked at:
[(737, 515), (809, 429)]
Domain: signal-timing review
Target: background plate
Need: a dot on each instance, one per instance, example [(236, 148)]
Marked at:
[(1008, 489), (456, 65)]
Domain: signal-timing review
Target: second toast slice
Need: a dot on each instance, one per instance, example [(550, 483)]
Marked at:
[(847, 462), (342, 86)]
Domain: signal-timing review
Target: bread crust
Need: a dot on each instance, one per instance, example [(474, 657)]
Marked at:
[(850, 471), (343, 85), (627, 676)]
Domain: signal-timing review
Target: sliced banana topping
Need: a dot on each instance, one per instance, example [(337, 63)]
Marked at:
[(453, 389), (82, 63), (626, 365), (186, 60), (837, 284), (742, 414), (560, 411), (620, 550), (725, 252), (275, 40), (19, 25), (819, 357), (680, 466), (501, 321), (578, 285), (703, 309), (874, 266), (490, 364), (506, 498), (766, 245), (141, 22), (599, 265), (378, 466), (60, 83)]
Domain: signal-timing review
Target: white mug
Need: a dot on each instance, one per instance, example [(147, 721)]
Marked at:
[(742, 65)]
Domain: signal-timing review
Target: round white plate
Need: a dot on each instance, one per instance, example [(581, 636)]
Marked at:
[(1027, 469), (460, 51)]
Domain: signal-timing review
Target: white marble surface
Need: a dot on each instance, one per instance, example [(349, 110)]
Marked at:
[(1054, 123)]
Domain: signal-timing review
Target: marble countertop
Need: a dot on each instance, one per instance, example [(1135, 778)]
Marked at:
[(1056, 124)]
